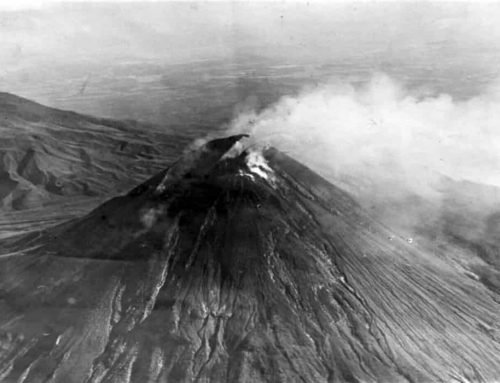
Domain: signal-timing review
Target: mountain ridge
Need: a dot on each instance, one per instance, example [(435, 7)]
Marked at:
[(46, 153)]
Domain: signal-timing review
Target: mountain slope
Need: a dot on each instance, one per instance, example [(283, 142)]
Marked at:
[(235, 265), (46, 154)]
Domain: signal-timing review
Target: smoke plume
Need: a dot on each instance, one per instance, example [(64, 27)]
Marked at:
[(382, 133), (385, 143)]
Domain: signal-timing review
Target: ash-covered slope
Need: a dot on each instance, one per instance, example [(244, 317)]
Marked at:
[(238, 266), (46, 154)]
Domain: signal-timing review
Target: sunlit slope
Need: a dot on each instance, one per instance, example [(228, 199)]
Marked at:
[(238, 266), (47, 153)]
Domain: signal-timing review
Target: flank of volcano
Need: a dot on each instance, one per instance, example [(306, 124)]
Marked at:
[(238, 264)]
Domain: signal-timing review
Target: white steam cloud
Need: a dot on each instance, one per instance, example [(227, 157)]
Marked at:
[(383, 135)]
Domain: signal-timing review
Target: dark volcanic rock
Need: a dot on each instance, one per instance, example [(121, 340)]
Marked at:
[(238, 266)]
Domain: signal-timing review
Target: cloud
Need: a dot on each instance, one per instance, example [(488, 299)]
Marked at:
[(382, 133)]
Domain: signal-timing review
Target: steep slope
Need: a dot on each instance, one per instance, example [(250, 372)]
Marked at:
[(46, 154), (239, 266)]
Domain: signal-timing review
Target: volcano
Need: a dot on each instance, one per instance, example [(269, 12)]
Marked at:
[(238, 264)]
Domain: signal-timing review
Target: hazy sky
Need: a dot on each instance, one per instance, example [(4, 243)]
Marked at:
[(435, 33)]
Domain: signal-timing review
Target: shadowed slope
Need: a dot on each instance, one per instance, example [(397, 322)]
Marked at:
[(238, 266)]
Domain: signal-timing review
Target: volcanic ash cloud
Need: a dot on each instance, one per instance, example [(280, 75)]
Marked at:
[(384, 134)]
